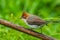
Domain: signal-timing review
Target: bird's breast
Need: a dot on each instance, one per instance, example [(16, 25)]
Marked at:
[(31, 26)]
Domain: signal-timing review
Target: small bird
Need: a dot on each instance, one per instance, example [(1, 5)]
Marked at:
[(32, 21)]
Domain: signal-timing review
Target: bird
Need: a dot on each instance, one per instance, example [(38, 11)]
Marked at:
[(33, 21)]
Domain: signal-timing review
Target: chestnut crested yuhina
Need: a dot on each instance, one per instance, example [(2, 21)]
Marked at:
[(32, 21)]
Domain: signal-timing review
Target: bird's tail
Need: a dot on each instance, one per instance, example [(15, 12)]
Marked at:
[(52, 21)]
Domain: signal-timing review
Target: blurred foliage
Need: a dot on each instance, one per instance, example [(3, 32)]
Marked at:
[(11, 10)]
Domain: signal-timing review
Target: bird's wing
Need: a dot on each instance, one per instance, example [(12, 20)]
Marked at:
[(35, 21)]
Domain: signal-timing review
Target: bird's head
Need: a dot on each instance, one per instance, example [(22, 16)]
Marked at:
[(25, 15)]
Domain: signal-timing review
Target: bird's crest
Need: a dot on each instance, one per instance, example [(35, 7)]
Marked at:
[(25, 15)]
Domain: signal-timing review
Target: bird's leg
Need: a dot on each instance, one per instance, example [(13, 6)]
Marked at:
[(41, 30)]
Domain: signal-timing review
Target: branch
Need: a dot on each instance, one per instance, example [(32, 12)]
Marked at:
[(30, 32)]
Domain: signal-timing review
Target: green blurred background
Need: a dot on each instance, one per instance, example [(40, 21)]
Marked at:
[(11, 10)]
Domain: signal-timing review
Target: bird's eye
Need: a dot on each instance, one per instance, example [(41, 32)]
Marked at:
[(24, 16)]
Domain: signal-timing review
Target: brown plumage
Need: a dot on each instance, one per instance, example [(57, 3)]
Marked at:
[(32, 20)]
